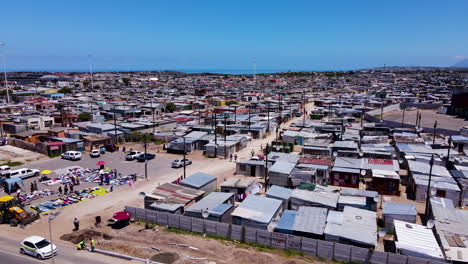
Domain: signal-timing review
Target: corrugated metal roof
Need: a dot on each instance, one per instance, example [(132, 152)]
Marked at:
[(211, 201), (282, 167), (357, 225), (198, 179), (416, 240), (306, 219), (399, 209), (352, 200), (258, 208), (279, 192), (317, 196), (238, 182)]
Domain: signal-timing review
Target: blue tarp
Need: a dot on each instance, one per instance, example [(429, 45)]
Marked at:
[(11, 181)]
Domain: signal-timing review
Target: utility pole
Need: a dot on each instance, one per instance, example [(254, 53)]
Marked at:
[(249, 117), (266, 167), (146, 160), (268, 116), (431, 163), (225, 134), (419, 122), (115, 127), (216, 136), (448, 151), (184, 161), (417, 118), (434, 134), (362, 115), (403, 118), (303, 109), (235, 114), (152, 107), (381, 111), (5, 73)]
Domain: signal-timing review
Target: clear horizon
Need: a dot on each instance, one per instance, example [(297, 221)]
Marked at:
[(298, 36)]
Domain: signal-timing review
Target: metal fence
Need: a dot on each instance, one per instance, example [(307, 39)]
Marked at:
[(313, 247)]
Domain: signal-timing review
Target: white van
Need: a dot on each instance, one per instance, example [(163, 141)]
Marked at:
[(22, 173), (72, 155), (4, 169)]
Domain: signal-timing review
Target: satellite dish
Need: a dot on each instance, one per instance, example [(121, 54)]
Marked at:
[(400, 161), (393, 155), (382, 232), (363, 172), (335, 154), (361, 154), (376, 199), (433, 191), (430, 224), (142, 194), (205, 213)]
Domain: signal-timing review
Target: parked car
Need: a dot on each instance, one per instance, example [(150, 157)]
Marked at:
[(177, 163), (95, 153), (72, 155), (4, 169), (142, 157), (22, 173), (131, 155), (38, 247), (110, 147)]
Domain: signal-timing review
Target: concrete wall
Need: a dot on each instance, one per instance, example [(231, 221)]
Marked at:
[(312, 247)]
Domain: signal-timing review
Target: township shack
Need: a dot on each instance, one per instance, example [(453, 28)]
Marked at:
[(171, 198), (416, 241), (279, 173), (280, 193), (451, 230), (398, 211), (385, 182), (306, 221), (219, 205), (371, 196), (241, 187), (257, 212), (200, 181), (321, 196), (352, 226)]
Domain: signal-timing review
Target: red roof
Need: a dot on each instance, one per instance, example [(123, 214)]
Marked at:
[(56, 143), (315, 161), (380, 161), (183, 119)]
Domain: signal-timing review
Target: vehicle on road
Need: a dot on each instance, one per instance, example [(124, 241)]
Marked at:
[(178, 163), (95, 153), (110, 147), (22, 173), (148, 156), (131, 155), (72, 155), (38, 247), (4, 169), (13, 213)]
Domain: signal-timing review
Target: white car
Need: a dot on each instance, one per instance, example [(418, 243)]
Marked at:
[(72, 155), (178, 163), (22, 173), (95, 153), (131, 155), (38, 247)]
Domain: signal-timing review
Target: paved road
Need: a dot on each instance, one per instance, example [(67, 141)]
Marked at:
[(9, 253), (116, 160)]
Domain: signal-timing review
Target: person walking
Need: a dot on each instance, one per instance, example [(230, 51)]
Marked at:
[(76, 224), (235, 157), (65, 189), (77, 180), (123, 149), (92, 245), (230, 156), (35, 186), (60, 190), (71, 188), (32, 187)]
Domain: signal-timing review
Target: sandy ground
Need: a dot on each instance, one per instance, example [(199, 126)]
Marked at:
[(105, 206), (427, 119), (12, 153), (158, 244)]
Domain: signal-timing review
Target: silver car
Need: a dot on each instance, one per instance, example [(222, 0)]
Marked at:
[(178, 163)]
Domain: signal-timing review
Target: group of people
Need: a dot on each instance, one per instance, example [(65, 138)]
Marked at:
[(34, 186), (235, 157), (82, 245)]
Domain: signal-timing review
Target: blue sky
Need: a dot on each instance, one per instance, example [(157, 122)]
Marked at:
[(296, 35)]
